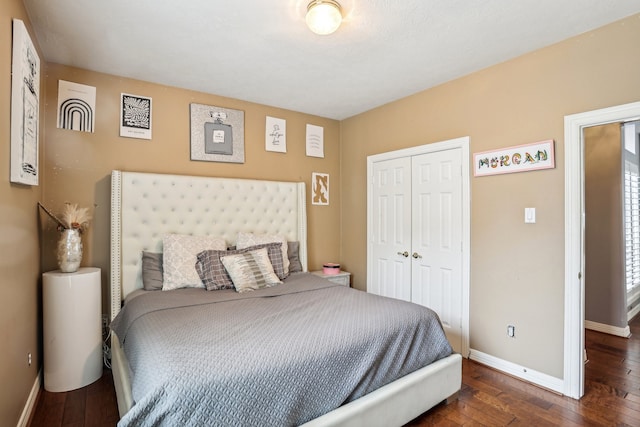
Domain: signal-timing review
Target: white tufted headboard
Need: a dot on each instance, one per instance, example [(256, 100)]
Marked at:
[(145, 206)]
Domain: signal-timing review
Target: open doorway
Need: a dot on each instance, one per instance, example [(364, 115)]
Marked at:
[(574, 237), (612, 227)]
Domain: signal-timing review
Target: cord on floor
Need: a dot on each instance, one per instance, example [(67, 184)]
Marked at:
[(106, 350)]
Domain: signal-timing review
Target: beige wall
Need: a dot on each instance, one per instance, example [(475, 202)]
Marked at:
[(20, 260), (77, 165), (605, 290), (517, 269)]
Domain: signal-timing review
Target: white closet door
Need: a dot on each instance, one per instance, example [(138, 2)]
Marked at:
[(437, 238), (391, 234)]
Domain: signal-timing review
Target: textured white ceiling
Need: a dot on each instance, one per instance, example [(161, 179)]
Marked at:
[(261, 50)]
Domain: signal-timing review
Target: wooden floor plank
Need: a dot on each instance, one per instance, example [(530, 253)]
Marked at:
[(102, 406), (74, 407)]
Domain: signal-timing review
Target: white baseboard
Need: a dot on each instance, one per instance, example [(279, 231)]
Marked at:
[(31, 401), (632, 313), (526, 374), (608, 329)]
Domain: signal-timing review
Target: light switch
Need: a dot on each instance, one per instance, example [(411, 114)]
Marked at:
[(529, 215)]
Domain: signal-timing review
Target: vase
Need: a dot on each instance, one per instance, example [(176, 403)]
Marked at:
[(69, 250)]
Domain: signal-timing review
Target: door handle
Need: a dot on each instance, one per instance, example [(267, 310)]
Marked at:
[(416, 255), (404, 254)]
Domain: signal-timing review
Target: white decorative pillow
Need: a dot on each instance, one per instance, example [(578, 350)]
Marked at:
[(250, 270), (244, 240), (179, 259)]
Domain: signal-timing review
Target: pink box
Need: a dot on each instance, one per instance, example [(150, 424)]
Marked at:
[(330, 268)]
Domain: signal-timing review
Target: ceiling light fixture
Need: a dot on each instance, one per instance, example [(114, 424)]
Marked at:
[(323, 16)]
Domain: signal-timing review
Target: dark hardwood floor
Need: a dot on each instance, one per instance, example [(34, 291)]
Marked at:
[(611, 398), (487, 398), (93, 405)]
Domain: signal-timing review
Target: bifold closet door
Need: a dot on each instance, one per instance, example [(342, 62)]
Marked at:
[(416, 236), (391, 232), (436, 237)]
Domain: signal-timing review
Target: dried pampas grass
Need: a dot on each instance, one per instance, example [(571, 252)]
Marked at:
[(72, 217), (75, 217)]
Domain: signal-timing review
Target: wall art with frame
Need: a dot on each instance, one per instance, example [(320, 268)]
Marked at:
[(25, 107), (276, 135), (135, 116), (320, 189), (217, 134), (315, 141), (76, 106), (520, 158)]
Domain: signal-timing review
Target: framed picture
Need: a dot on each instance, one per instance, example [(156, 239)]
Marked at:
[(76, 106), (319, 188), (217, 134), (135, 116), (315, 141), (275, 138), (520, 158), (25, 107)]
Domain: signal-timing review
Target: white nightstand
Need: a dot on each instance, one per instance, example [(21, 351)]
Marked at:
[(342, 278), (72, 328)]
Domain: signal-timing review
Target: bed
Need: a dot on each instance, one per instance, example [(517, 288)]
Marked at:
[(144, 208)]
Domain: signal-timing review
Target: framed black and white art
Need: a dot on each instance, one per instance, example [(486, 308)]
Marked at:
[(275, 137), (135, 116), (76, 106), (25, 107)]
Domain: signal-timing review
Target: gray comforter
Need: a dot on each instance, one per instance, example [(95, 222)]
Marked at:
[(279, 356)]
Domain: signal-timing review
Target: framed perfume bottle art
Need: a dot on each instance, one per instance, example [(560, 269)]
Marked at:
[(217, 134)]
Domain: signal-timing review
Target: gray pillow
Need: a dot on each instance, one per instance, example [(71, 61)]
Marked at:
[(293, 252), (152, 271), (214, 275)]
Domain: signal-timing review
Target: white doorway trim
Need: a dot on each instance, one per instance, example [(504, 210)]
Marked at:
[(574, 236), (463, 144)]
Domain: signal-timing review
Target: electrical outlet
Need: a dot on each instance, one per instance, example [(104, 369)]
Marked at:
[(29, 359), (511, 331)]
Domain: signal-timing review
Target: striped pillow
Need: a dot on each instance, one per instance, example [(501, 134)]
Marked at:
[(250, 270), (215, 276)]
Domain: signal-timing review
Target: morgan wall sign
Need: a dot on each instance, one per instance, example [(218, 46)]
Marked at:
[(521, 158)]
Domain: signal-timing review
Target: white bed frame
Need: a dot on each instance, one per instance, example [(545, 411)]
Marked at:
[(145, 206)]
